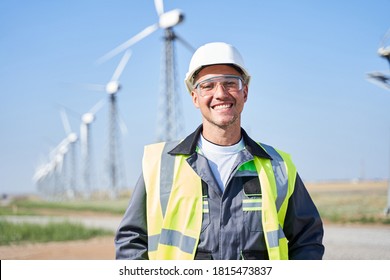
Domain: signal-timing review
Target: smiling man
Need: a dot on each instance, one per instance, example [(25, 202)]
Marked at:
[(218, 194), (220, 93)]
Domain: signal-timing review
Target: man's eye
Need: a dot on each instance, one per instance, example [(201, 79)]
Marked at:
[(206, 86), (230, 84)]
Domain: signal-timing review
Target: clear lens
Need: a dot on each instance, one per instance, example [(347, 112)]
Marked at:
[(230, 83)]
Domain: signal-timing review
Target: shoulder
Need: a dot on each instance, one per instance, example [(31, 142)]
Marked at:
[(279, 156), (154, 149), (160, 148), (274, 151)]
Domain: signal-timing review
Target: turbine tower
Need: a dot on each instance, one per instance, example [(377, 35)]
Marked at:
[(85, 129), (169, 120), (69, 146), (113, 164), (169, 116)]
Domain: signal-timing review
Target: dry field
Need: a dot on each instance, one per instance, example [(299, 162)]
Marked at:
[(348, 186), (351, 202)]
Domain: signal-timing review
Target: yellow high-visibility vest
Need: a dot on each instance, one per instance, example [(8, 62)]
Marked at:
[(175, 203)]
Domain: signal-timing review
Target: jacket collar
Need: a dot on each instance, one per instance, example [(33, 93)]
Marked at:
[(188, 145)]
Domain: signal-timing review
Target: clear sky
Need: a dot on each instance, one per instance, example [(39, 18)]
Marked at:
[(308, 94)]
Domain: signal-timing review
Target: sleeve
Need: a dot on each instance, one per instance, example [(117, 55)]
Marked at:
[(131, 239), (303, 226)]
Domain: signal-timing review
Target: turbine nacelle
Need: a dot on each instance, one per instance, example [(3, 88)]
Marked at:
[(113, 87), (72, 137), (171, 18), (88, 118), (384, 52)]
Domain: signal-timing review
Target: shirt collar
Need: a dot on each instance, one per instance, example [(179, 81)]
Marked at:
[(188, 145)]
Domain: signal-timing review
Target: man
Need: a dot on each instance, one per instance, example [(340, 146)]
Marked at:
[(218, 194)]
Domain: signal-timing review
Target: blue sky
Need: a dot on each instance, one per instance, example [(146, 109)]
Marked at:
[(308, 94)]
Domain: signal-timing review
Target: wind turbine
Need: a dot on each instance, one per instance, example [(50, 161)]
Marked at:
[(166, 20), (86, 120), (169, 116)]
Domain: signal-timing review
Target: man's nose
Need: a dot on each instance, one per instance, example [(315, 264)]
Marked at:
[(220, 90)]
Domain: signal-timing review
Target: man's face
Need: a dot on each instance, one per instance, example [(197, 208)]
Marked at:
[(223, 108)]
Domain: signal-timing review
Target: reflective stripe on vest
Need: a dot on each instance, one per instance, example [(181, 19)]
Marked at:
[(174, 213), (252, 204)]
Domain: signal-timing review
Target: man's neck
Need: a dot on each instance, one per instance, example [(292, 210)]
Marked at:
[(222, 136)]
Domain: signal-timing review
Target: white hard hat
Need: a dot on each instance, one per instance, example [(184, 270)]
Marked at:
[(214, 53)]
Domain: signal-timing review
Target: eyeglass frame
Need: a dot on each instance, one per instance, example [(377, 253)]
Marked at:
[(197, 90)]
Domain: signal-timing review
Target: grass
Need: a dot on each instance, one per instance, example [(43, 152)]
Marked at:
[(29, 206), (14, 233)]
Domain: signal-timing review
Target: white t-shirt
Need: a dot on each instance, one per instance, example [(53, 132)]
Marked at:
[(220, 158)]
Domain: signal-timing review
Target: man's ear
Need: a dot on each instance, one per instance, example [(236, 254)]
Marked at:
[(245, 92), (195, 99)]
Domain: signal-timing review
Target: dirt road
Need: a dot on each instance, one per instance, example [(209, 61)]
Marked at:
[(93, 249)]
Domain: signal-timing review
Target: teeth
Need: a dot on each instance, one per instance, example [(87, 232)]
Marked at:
[(223, 106)]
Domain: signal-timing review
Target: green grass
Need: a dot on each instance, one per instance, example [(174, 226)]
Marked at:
[(15, 233), (36, 206)]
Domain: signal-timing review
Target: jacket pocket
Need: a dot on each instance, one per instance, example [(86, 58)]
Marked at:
[(252, 204), (251, 207)]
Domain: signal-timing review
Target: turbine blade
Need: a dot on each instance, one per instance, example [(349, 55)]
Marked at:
[(159, 4), (83, 86), (185, 43), (379, 80), (385, 38), (144, 33), (121, 66), (65, 122), (93, 87), (123, 126), (97, 107)]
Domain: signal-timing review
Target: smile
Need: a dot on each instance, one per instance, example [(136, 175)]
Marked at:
[(222, 106)]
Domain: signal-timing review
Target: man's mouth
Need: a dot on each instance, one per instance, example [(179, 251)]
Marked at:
[(222, 106)]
